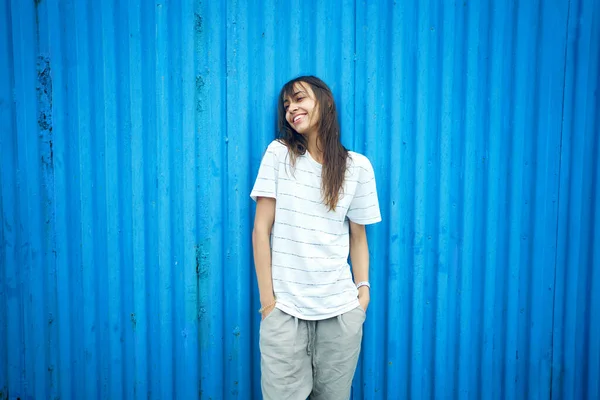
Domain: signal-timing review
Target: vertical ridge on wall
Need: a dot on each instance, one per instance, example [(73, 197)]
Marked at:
[(175, 167), (164, 64), (420, 301), (125, 384), (59, 349), (491, 159), (99, 196), (471, 272), (364, 16), (112, 184), (8, 209), (138, 316), (85, 315), (501, 124), (404, 123), (47, 122), (518, 309), (62, 288), (68, 212), (446, 283), (593, 386), (150, 129), (262, 62), (496, 245), (455, 228), (397, 305), (188, 374), (211, 130), (237, 332)]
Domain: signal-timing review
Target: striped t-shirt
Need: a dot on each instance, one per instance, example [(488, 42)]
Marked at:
[(310, 244)]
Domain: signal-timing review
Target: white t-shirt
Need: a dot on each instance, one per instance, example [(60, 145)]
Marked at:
[(310, 244)]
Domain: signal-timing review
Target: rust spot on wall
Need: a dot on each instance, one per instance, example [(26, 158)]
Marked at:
[(44, 92), (199, 89), (197, 23), (44, 98), (201, 262)]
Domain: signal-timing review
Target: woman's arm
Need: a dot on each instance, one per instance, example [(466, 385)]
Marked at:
[(261, 234), (359, 255)]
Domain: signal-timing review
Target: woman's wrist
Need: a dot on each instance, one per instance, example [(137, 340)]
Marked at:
[(267, 305), (266, 309), (364, 291), (266, 300)]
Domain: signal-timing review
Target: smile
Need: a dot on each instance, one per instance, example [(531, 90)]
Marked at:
[(299, 118)]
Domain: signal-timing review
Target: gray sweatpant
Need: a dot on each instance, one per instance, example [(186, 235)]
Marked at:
[(317, 358)]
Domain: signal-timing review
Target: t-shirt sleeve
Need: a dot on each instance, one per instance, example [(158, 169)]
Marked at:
[(364, 208), (266, 180)]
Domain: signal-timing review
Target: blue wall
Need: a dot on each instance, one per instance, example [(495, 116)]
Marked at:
[(130, 136)]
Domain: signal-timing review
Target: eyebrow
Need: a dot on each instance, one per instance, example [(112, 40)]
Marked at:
[(294, 95)]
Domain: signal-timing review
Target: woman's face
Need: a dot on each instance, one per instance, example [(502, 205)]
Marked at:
[(301, 109)]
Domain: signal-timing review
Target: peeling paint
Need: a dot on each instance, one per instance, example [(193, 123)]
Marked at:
[(44, 101), (202, 269), (133, 321), (199, 88), (44, 92), (197, 23)]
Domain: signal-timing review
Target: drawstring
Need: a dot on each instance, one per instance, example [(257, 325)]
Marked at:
[(311, 327), (295, 332), (311, 337)]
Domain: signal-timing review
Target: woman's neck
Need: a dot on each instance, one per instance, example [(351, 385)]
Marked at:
[(313, 148)]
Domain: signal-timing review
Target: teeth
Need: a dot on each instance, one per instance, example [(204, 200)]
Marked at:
[(298, 117)]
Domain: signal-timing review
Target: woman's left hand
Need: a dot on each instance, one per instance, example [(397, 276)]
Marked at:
[(364, 297)]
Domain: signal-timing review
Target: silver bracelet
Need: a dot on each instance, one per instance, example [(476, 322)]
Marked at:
[(363, 283)]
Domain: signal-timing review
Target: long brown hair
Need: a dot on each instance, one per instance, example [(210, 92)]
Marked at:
[(335, 155)]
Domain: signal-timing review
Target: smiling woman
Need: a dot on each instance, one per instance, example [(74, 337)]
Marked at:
[(314, 198), (305, 125)]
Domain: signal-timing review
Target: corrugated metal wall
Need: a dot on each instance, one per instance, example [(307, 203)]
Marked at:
[(130, 136)]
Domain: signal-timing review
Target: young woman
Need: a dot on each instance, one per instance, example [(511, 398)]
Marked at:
[(314, 198)]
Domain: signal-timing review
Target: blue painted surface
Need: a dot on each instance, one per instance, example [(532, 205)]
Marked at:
[(130, 136)]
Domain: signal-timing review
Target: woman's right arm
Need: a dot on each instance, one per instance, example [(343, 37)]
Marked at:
[(261, 235)]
